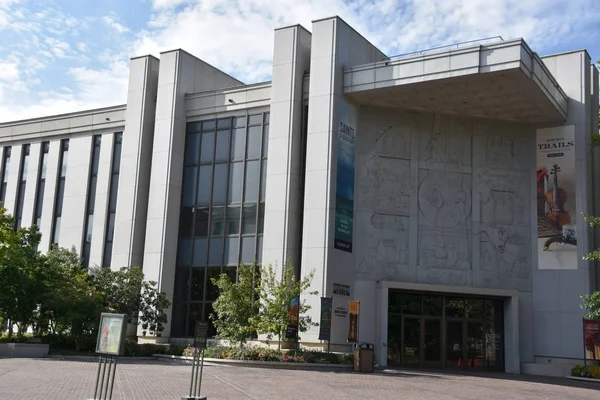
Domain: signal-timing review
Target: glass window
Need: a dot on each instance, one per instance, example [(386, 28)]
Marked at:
[(254, 142), (111, 226), (182, 277), (394, 301), (474, 308), (201, 224), (212, 291), (191, 149), (184, 251), (204, 185), (263, 180), (222, 152), (194, 127), (238, 144), (194, 315), (255, 119), (114, 189), (60, 192), (248, 250), (189, 186), (216, 251), (411, 304), (92, 194), (261, 217), (224, 123), (239, 122), (57, 230), (231, 251), (208, 126), (107, 254), (217, 221), (232, 272), (220, 184), (236, 180), (251, 189), (455, 307), (207, 150), (265, 146), (117, 153), (63, 169), (249, 219), (208, 311), (432, 305), (233, 220), (197, 284), (267, 118), (200, 251)]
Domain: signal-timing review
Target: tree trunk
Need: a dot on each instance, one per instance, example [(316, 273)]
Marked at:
[(10, 329)]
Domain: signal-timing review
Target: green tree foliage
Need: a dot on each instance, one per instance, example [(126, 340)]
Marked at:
[(275, 293), (21, 273), (591, 303), (152, 315), (121, 290), (237, 305)]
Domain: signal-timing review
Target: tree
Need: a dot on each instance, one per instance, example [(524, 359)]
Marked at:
[(275, 295), (237, 305), (21, 273), (153, 304)]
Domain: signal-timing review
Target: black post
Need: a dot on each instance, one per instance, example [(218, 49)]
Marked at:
[(102, 379), (201, 368), (113, 377), (109, 362), (98, 377), (584, 351)]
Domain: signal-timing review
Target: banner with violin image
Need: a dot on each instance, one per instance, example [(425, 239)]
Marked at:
[(556, 190)]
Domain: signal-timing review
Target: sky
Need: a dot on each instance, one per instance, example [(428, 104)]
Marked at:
[(59, 56)]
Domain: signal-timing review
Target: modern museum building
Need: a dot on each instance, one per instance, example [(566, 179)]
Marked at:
[(444, 190)]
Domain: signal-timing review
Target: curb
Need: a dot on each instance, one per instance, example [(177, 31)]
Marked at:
[(94, 357), (582, 379), (259, 364)]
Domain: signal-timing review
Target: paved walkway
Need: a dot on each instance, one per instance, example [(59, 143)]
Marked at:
[(51, 379)]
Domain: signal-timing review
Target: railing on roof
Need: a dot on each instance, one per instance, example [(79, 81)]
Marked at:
[(454, 45)]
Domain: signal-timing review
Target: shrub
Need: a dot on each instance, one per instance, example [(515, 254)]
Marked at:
[(134, 349), (577, 370), (15, 339), (593, 371), (267, 354), (177, 350)]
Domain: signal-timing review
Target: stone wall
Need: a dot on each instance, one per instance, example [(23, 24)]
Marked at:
[(444, 200)]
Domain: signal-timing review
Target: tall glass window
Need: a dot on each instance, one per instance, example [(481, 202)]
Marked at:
[(112, 200), (91, 201), (22, 185), (222, 210), (5, 166), (60, 191), (39, 197)]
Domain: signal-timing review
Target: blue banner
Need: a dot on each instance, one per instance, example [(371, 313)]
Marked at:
[(325, 322)]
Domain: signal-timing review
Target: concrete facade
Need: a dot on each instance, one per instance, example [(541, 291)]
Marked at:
[(444, 182)]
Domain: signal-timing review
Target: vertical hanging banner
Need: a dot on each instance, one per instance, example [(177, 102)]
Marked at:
[(556, 194), (344, 191), (293, 316), (325, 322), (353, 330)]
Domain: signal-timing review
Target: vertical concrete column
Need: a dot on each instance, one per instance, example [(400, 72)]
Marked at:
[(31, 186), (136, 157), (335, 46), (75, 197), (49, 195), (291, 59)]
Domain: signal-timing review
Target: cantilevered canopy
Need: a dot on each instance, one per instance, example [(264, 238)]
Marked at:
[(503, 80)]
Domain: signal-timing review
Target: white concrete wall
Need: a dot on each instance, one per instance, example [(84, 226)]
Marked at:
[(136, 153), (281, 243), (13, 179), (52, 172), (31, 185), (75, 196), (101, 202), (334, 46), (180, 73)]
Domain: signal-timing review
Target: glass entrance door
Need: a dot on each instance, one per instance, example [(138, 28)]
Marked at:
[(432, 343), (454, 344), (411, 341)]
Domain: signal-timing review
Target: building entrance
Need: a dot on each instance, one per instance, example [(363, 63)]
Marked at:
[(444, 331)]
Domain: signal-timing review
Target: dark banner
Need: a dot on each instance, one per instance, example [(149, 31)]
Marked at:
[(353, 331), (293, 316), (591, 334), (325, 323)]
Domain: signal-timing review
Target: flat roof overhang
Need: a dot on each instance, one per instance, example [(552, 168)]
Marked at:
[(503, 80)]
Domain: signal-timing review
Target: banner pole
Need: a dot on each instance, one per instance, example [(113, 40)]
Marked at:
[(584, 351)]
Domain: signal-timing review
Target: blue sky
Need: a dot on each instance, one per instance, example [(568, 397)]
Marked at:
[(60, 56)]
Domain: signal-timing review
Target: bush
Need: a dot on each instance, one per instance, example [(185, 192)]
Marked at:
[(266, 354), (177, 350), (591, 371), (134, 349), (15, 338)]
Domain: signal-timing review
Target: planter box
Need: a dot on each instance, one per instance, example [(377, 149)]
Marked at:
[(23, 350)]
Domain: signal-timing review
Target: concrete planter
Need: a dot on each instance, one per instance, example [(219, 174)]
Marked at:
[(23, 350)]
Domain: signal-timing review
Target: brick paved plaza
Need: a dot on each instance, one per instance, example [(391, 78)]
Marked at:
[(58, 379)]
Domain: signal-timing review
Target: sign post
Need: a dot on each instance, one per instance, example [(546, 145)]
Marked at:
[(591, 340), (110, 345), (200, 338), (353, 329), (325, 323)]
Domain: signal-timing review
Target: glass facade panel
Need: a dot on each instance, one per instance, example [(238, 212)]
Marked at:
[(60, 191), (222, 210), (265, 141)]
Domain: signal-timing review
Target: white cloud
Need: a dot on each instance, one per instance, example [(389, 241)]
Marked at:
[(9, 71), (111, 22), (237, 36)]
